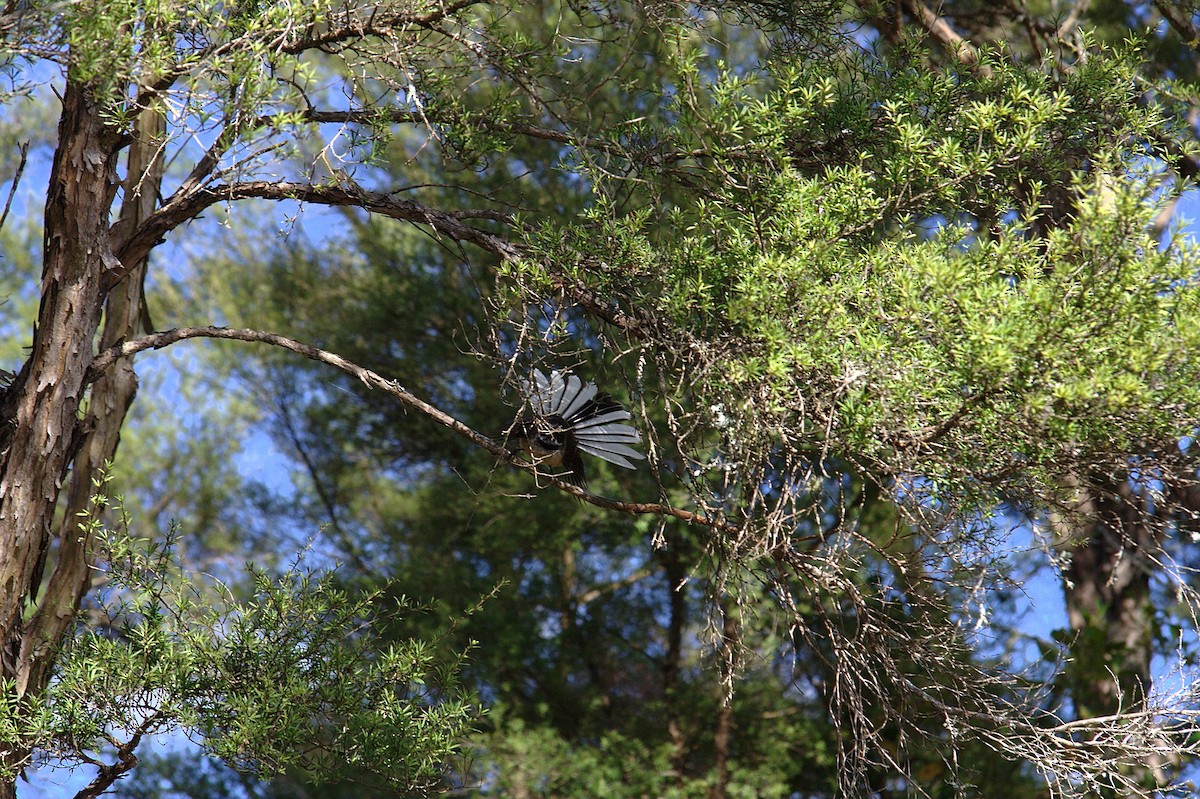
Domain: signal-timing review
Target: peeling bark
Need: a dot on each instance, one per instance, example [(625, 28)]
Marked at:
[(110, 398), (42, 407), (43, 404)]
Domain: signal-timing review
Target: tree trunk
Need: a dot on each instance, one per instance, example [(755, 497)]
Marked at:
[(44, 401), (42, 406), (1111, 539), (723, 734), (109, 401), (675, 571)]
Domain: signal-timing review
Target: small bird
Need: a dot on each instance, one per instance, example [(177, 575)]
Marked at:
[(570, 416)]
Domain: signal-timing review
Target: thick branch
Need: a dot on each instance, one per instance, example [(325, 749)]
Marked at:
[(207, 164), (377, 25), (629, 322), (939, 29), (374, 381), (126, 760), (181, 208), (1179, 21)]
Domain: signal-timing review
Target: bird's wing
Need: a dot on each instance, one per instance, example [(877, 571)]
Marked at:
[(540, 391), (558, 394), (557, 390), (618, 415), (608, 432), (598, 432)]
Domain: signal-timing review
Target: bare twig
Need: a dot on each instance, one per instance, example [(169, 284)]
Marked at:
[(12, 190)]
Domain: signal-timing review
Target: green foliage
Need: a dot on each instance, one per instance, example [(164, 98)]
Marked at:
[(571, 647), (294, 676), (126, 42), (537, 761), (987, 343)]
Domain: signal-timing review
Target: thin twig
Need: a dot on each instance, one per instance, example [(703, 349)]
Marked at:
[(12, 190)]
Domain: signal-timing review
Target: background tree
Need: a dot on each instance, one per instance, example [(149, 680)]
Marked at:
[(1001, 415), (1037, 162)]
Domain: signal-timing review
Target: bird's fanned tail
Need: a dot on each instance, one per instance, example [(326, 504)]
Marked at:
[(572, 416)]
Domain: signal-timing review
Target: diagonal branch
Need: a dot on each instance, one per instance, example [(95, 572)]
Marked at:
[(23, 148), (207, 164), (183, 207), (1071, 22), (941, 30), (126, 760), (1181, 22), (633, 578), (373, 380)]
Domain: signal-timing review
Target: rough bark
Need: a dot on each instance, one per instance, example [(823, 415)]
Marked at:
[(43, 403), (109, 400), (45, 398)]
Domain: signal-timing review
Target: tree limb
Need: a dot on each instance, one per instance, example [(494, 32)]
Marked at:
[(126, 760), (1071, 22), (937, 27), (12, 191), (1180, 22), (634, 577), (183, 207)]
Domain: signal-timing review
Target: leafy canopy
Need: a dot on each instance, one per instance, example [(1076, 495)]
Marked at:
[(873, 266)]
